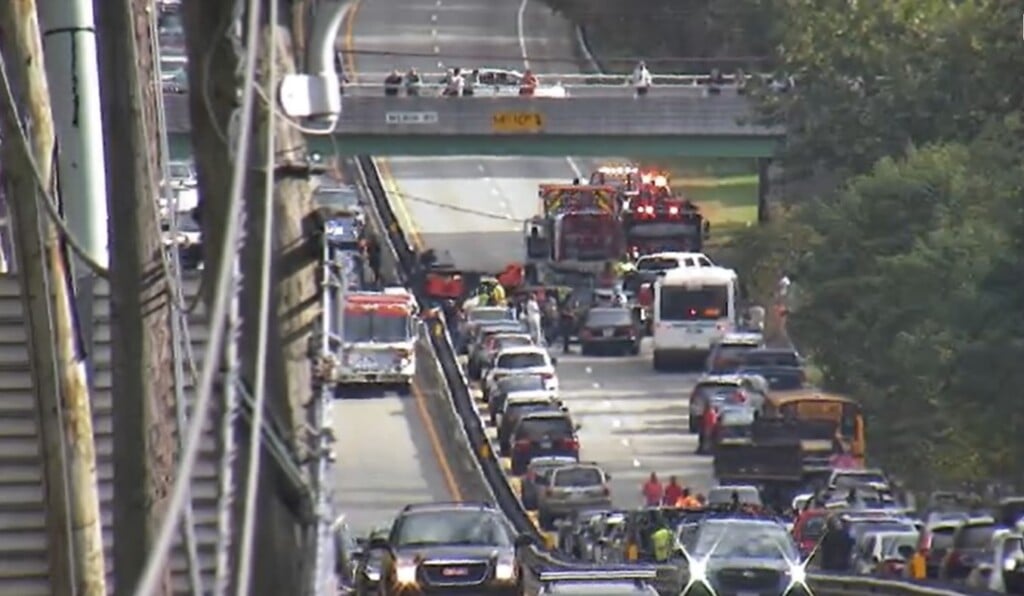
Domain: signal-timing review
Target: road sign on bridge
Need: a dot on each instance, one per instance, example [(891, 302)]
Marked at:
[(517, 122)]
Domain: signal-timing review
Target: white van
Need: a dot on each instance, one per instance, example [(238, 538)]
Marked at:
[(694, 307)]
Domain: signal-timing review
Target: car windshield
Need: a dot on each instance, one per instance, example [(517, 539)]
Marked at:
[(975, 536), (578, 477), (744, 540), (891, 543), (942, 537), (489, 314), (754, 358), (608, 317), (706, 390), (451, 527), (337, 198), (657, 264), (521, 360), (374, 326), (731, 355), (813, 528), (848, 481), (179, 170), (778, 378), (513, 341), (537, 428), (522, 383)]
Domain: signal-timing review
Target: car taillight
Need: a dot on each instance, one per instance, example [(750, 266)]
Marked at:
[(571, 444), (606, 491), (522, 445), (547, 376)]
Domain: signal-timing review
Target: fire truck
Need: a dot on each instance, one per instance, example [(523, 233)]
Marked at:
[(378, 335), (629, 179), (654, 219), (577, 232)]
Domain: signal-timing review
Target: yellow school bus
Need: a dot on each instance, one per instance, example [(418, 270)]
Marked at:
[(818, 405)]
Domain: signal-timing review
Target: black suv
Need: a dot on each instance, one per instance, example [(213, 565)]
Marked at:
[(450, 548), (543, 433)]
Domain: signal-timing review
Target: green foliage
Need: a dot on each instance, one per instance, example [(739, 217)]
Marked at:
[(676, 35), (878, 77), (909, 280)]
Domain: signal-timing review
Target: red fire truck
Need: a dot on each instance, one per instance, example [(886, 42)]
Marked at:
[(577, 232), (655, 219)]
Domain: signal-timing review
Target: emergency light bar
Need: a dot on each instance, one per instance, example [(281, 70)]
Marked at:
[(599, 575)]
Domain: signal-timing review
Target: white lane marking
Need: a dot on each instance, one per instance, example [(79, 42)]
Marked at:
[(521, 33), (636, 463), (440, 64), (433, 18), (576, 172), (617, 424), (606, 404), (495, 191), (437, 49), (433, 32), (438, 3), (625, 442), (589, 370), (481, 167)]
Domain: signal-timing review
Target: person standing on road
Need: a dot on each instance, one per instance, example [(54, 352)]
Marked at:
[(673, 492), (652, 491), (641, 79), (533, 319)]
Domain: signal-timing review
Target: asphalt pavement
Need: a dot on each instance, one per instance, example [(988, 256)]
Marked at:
[(470, 210), (384, 459)]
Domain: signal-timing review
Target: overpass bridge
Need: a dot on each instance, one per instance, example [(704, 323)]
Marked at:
[(580, 117)]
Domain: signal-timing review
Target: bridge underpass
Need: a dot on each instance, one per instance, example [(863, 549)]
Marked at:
[(472, 207)]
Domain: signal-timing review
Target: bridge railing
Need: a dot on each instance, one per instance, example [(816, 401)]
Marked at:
[(575, 79)]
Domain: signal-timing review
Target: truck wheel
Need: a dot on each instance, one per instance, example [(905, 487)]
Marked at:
[(694, 424)]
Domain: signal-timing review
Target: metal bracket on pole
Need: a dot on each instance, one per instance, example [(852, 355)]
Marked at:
[(317, 94)]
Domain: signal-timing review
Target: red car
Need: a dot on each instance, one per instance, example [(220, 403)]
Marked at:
[(808, 530)]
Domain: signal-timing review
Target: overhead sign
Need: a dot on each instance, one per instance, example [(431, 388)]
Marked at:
[(517, 122), (411, 118)]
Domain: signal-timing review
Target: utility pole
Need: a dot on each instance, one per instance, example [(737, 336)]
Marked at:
[(144, 396), (58, 372), (69, 38), (279, 553)]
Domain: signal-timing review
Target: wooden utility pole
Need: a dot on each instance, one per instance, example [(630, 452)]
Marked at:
[(58, 372), (144, 406), (279, 556)]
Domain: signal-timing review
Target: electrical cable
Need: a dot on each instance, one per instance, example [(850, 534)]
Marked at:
[(245, 557), (171, 261), (165, 538), (44, 196)]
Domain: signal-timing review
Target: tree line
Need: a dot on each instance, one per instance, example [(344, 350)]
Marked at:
[(910, 265)]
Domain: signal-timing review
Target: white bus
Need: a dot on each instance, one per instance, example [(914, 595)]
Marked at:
[(693, 308)]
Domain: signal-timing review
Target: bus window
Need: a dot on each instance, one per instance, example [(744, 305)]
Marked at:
[(706, 303), (848, 426)]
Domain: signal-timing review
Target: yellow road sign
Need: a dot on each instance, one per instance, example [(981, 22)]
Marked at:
[(517, 122)]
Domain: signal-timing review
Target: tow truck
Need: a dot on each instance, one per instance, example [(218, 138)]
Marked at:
[(654, 219), (378, 335), (577, 232)]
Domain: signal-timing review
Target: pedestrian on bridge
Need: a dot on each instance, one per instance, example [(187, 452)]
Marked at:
[(392, 84), (641, 79)]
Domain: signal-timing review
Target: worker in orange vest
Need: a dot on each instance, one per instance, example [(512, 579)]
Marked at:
[(688, 501)]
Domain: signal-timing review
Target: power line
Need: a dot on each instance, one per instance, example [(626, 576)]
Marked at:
[(165, 537), (262, 326), (171, 261)]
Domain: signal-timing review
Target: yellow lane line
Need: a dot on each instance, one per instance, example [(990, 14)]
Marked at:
[(384, 167), (435, 444)]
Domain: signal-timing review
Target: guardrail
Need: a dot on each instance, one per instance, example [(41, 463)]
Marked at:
[(490, 468)]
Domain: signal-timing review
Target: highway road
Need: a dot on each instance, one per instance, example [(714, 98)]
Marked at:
[(385, 458), (471, 210)]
